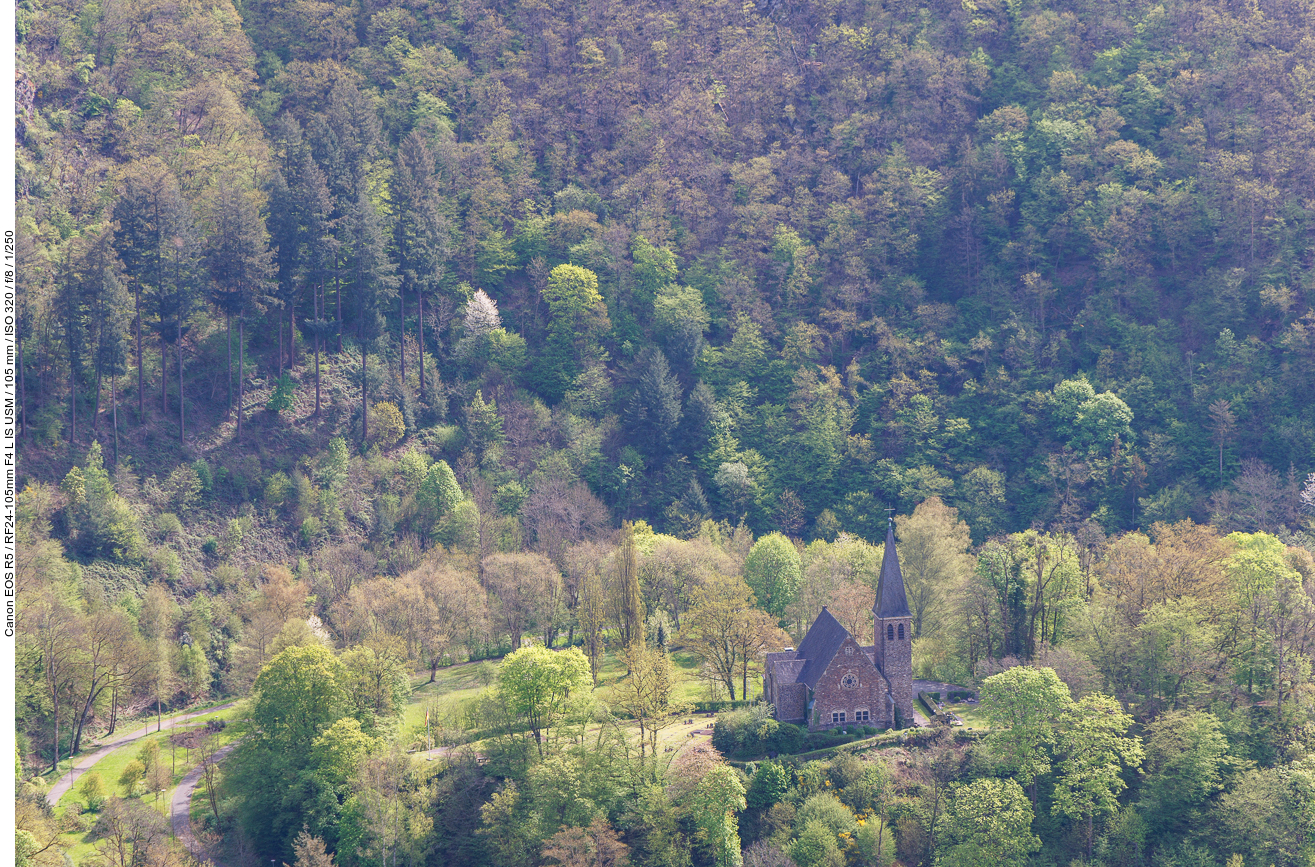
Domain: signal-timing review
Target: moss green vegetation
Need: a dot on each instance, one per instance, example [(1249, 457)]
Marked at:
[(361, 346)]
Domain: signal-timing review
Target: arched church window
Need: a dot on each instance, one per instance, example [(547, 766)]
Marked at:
[(890, 632), (901, 632)]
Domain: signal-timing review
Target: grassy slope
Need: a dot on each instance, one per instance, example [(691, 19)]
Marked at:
[(81, 844)]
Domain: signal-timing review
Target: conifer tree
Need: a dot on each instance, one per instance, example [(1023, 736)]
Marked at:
[(242, 265), (421, 235), (374, 280)]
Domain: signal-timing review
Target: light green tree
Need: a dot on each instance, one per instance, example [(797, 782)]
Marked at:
[(1023, 704), (93, 791), (298, 695), (131, 777), (714, 805), (1186, 752), (933, 559), (988, 823), (536, 685), (1094, 747), (773, 571)]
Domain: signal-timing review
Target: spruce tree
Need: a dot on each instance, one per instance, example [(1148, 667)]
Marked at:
[(421, 235), (242, 266)]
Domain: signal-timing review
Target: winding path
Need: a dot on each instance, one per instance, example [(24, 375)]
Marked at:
[(82, 765), (180, 807)]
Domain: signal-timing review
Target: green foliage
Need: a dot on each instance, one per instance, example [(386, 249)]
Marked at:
[(753, 732), (773, 571), (92, 789), (102, 524), (988, 822), (438, 494), (767, 786), (131, 777), (1024, 704), (281, 398), (538, 686)]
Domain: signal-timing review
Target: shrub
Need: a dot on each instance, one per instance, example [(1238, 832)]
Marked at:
[(93, 791), (183, 487), (210, 547), (311, 531), (281, 398), (277, 489), (168, 524), (387, 426), (753, 732), (131, 778), (164, 565), (206, 476)]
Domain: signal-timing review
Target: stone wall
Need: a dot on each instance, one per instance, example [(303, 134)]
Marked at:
[(868, 692)]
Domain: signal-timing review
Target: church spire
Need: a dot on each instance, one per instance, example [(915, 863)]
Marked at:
[(891, 599)]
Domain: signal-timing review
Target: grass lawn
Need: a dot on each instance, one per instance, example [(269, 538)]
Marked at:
[(80, 843), (452, 686), (971, 714)]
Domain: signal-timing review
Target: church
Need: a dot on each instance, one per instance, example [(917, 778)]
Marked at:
[(833, 681)]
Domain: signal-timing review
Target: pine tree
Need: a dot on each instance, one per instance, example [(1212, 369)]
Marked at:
[(421, 234), (374, 280), (242, 265), (157, 242)]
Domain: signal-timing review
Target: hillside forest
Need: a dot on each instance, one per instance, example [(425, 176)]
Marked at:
[(579, 353)]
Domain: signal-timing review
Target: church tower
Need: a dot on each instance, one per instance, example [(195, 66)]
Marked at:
[(893, 630)]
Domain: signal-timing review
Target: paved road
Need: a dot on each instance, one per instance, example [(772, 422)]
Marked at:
[(81, 766), (180, 811)]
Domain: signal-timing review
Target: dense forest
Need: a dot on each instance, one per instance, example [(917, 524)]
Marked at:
[(365, 343)]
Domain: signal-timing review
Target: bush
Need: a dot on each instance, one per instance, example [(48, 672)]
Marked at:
[(131, 778), (93, 791), (311, 531), (164, 565), (753, 732), (387, 426), (168, 524), (277, 489), (204, 473), (183, 487), (281, 398), (210, 547)]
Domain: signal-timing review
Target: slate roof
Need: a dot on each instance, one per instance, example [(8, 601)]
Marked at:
[(820, 646), (892, 601)]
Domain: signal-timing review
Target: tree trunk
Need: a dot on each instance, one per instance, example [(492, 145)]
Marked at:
[(280, 330), (164, 374), (292, 334), (114, 414), (141, 376), (72, 407), (337, 290), (114, 708), (228, 337), (182, 432), (401, 345), (55, 714), (241, 366), (420, 335), (318, 319), (95, 406), (365, 399)]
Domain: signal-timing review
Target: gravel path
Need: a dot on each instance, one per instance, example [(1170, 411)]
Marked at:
[(180, 811), (82, 765)]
